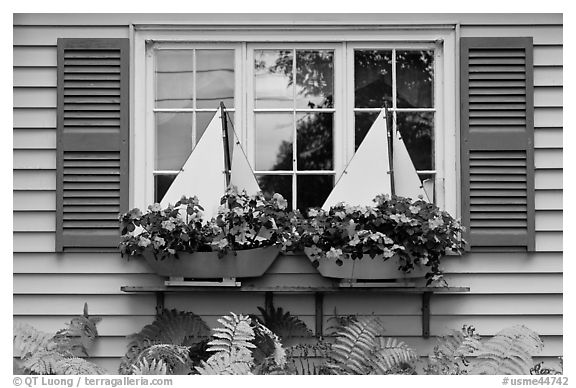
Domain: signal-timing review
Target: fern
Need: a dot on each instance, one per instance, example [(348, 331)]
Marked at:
[(223, 363), (172, 327), (82, 332), (27, 340), (174, 357), (449, 356), (42, 362), (155, 367), (236, 334), (509, 352), (393, 357), (308, 359), (352, 351), (44, 353), (286, 326), (77, 366)]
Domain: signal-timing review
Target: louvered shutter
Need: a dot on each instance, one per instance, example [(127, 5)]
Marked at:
[(497, 134), (93, 131)]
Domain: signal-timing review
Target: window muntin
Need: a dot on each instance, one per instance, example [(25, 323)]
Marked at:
[(344, 113)]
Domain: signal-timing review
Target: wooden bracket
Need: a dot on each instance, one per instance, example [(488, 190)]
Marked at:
[(426, 314), (159, 302), (319, 308)]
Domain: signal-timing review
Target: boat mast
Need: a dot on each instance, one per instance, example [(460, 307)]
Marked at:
[(389, 134), (223, 116)]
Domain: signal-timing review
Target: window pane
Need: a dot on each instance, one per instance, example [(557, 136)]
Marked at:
[(314, 79), (173, 140), (313, 190), (372, 78), (273, 79), (174, 78), (274, 141), (363, 122), (417, 130), (315, 141), (282, 184), (429, 185), (414, 73), (161, 185), (214, 78)]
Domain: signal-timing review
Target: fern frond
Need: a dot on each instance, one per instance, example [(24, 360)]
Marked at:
[(352, 351), (42, 362), (393, 356), (171, 327), (175, 357), (236, 363), (155, 367), (269, 344), (308, 359), (236, 334), (286, 326), (82, 330), (77, 366), (27, 340), (449, 356), (509, 352)]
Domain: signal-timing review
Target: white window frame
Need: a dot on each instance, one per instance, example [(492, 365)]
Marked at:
[(442, 37)]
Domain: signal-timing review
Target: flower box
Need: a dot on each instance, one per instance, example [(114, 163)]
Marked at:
[(206, 265), (366, 268)]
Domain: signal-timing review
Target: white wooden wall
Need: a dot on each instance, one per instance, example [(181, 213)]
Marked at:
[(49, 288)]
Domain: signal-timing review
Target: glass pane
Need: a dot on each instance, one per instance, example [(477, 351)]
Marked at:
[(314, 79), (273, 79), (315, 141), (363, 122), (214, 78), (313, 190), (414, 78), (274, 141), (270, 184), (173, 140), (417, 130), (174, 78), (372, 78), (161, 185)]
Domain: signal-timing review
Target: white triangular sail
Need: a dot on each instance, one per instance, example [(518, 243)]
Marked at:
[(241, 173), (406, 180), (368, 172), (204, 172)]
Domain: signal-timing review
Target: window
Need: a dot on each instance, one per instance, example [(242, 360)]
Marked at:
[(300, 109)]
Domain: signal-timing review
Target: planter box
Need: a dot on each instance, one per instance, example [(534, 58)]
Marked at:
[(207, 265), (366, 268)]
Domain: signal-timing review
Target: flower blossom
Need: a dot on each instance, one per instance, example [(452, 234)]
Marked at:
[(334, 253)]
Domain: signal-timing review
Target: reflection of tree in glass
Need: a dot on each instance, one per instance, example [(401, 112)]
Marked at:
[(314, 77), (417, 134), (414, 71), (373, 72)]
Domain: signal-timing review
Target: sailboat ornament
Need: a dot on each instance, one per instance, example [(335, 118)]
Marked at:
[(377, 157), (209, 169)]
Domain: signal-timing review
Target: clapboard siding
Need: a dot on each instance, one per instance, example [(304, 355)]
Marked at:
[(34, 200), (112, 263), (34, 138), (401, 324), (50, 288)]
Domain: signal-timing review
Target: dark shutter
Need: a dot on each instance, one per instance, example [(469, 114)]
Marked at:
[(497, 134), (93, 132)]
